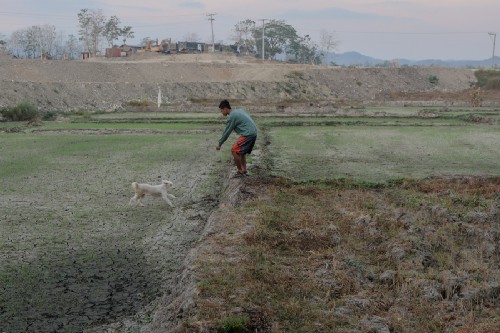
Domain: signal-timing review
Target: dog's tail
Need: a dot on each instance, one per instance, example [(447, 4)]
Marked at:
[(134, 186)]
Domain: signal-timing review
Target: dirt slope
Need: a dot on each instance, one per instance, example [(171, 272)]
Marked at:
[(203, 79)]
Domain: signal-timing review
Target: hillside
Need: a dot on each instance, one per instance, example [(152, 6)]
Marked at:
[(357, 59), (198, 81)]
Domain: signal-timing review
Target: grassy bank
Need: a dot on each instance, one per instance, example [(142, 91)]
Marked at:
[(416, 256)]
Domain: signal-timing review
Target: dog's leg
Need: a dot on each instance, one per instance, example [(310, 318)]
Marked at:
[(165, 197), (134, 198)]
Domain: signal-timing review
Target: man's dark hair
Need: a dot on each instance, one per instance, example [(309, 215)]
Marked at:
[(224, 105)]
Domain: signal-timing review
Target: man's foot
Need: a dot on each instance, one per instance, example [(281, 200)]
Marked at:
[(239, 175)]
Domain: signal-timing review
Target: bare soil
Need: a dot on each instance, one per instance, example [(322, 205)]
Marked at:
[(198, 82), (74, 254)]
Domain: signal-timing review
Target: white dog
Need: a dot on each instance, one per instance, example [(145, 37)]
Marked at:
[(155, 190)]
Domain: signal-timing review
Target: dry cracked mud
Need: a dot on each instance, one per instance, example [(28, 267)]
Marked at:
[(76, 257)]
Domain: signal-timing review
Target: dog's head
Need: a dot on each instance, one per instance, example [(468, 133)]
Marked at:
[(167, 183)]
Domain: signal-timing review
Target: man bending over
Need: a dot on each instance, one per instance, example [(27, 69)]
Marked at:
[(239, 121)]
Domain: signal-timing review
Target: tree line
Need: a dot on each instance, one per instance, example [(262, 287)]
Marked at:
[(43, 40), (273, 39), (278, 38)]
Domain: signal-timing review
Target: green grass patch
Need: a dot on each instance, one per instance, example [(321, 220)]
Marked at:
[(374, 153), (168, 126), (340, 121), (164, 115), (235, 324)]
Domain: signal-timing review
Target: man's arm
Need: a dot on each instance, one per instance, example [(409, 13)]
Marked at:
[(227, 131)]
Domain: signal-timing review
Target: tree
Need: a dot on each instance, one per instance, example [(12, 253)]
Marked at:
[(3, 42), (30, 41), (72, 47), (34, 41), (92, 24), (59, 47), (277, 36), (144, 41), (304, 50), (46, 36), (243, 35), (15, 43), (126, 32), (327, 42), (111, 30)]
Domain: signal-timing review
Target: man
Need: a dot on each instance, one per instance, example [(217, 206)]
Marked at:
[(240, 122)]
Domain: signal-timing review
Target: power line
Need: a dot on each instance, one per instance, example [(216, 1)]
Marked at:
[(494, 34), (263, 35), (131, 17), (165, 24), (412, 32), (211, 19), (10, 14)]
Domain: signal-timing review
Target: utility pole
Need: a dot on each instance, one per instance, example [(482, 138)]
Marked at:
[(211, 19), (263, 28), (494, 34)]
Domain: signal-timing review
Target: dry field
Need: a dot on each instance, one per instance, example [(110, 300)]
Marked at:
[(74, 254)]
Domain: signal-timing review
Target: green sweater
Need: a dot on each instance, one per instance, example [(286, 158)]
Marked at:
[(239, 121)]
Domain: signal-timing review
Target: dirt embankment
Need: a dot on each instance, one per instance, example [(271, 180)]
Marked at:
[(194, 82)]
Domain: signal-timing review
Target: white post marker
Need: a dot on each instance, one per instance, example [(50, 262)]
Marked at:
[(159, 97)]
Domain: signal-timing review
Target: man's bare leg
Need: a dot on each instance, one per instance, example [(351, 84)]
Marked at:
[(244, 163), (238, 161)]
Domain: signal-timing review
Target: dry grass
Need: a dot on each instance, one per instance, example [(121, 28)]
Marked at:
[(413, 256)]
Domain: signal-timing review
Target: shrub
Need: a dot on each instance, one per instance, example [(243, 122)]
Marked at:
[(21, 112), (138, 102), (49, 115), (295, 75), (433, 79), (489, 79), (493, 83), (234, 324)]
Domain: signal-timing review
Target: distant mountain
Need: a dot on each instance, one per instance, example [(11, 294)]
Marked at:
[(357, 59), (353, 59)]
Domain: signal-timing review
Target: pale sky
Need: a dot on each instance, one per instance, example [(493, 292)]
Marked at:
[(384, 29)]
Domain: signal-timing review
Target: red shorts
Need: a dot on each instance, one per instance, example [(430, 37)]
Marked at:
[(244, 145)]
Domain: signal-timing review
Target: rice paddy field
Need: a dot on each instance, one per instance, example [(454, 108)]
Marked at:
[(75, 257)]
